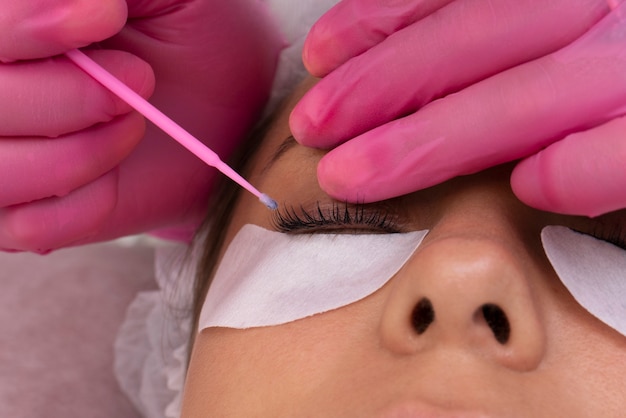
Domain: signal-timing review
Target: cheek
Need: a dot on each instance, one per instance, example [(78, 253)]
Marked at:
[(585, 356), (279, 370), (234, 373)]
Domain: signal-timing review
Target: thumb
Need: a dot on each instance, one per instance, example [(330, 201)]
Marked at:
[(581, 175), (37, 29)]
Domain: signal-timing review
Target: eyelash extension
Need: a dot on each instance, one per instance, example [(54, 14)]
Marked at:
[(288, 219)]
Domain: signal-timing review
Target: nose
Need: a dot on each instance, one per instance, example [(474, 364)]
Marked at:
[(468, 293)]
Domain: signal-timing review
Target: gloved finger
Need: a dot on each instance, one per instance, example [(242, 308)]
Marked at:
[(352, 27), (216, 98), (129, 199), (59, 221), (31, 29), (251, 40), (36, 168), (582, 174), (506, 117), (464, 42), (143, 8), (54, 97)]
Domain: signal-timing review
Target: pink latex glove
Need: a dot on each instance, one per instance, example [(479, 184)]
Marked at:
[(418, 92), (72, 167)]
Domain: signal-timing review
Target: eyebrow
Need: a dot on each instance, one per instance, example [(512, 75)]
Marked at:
[(385, 207), (289, 143)]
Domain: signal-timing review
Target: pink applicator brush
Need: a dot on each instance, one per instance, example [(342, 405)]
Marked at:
[(162, 121)]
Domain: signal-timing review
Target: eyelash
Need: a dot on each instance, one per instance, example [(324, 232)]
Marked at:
[(614, 235), (288, 219)]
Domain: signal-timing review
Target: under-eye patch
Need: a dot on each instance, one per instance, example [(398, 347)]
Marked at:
[(269, 278), (594, 272)]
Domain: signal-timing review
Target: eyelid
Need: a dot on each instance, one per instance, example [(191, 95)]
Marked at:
[(336, 217)]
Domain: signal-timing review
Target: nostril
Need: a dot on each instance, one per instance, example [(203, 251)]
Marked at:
[(423, 315), (497, 321)]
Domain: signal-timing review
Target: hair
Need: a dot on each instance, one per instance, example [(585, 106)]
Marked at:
[(212, 232)]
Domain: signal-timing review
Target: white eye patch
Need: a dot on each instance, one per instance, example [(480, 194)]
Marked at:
[(594, 272), (270, 278)]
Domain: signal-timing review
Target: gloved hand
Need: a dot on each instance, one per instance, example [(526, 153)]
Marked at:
[(72, 167), (421, 91)]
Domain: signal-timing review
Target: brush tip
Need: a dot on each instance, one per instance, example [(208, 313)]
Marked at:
[(268, 201)]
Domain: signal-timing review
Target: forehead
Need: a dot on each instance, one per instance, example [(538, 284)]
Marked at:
[(279, 130), (279, 166)]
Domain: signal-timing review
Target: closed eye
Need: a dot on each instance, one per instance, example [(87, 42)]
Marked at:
[(336, 217), (614, 235)]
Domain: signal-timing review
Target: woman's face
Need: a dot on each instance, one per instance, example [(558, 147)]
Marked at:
[(368, 359)]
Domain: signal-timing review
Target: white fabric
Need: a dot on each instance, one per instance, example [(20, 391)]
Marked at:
[(295, 18), (151, 346)]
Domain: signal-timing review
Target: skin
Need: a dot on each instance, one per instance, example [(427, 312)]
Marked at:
[(365, 359)]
